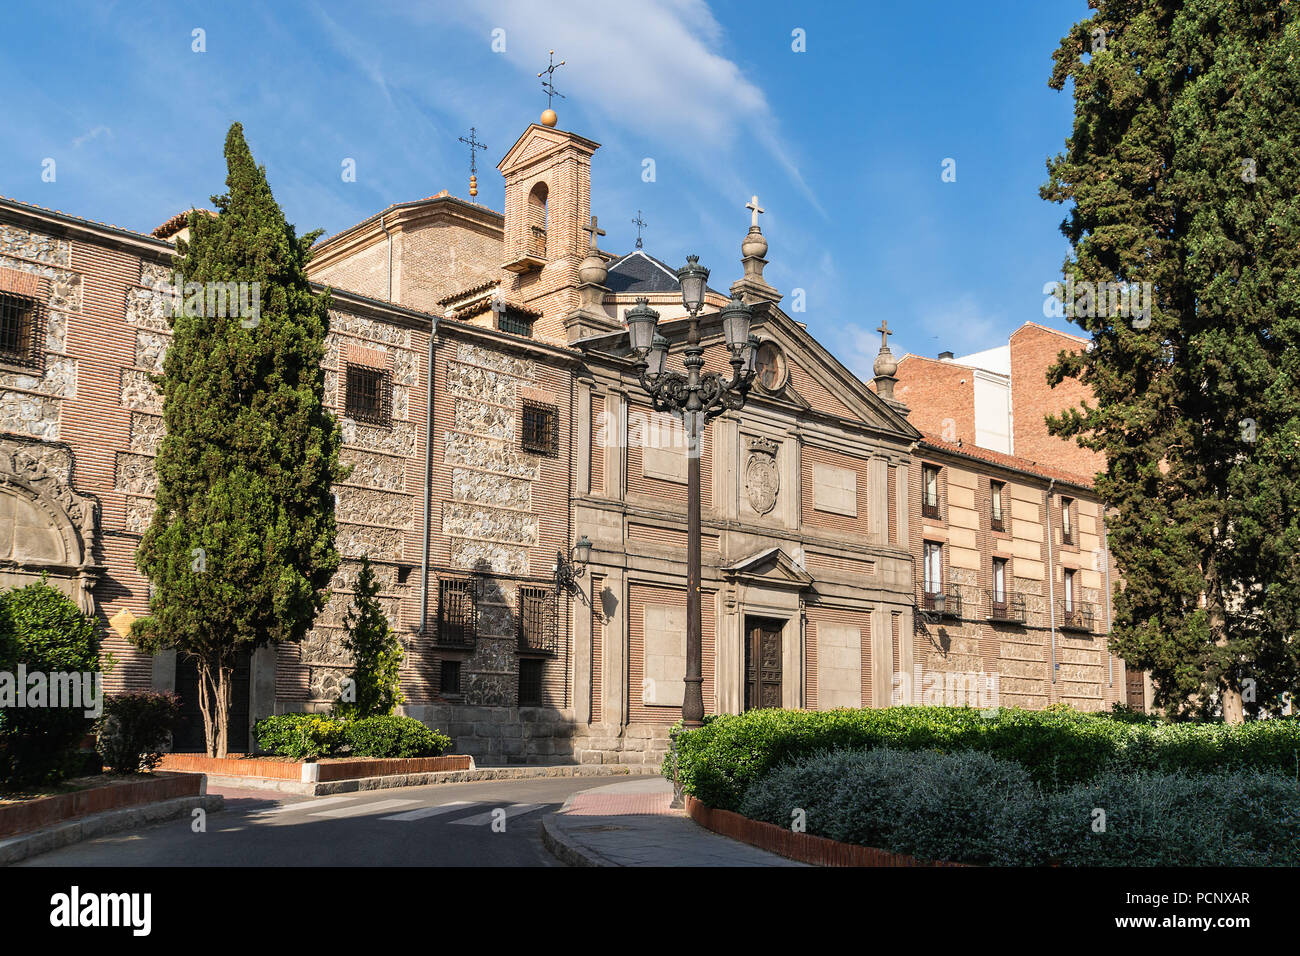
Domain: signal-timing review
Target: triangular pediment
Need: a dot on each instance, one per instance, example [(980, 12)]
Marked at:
[(814, 381), (538, 141), (771, 567)]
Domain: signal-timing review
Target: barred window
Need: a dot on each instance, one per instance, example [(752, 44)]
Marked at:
[(515, 322), (530, 682), (457, 612), (537, 620), (449, 677), (369, 395), (541, 431), (20, 331)]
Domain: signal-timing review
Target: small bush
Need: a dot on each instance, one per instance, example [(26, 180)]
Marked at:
[(44, 630), (976, 808), (393, 736), (135, 728), (299, 736)]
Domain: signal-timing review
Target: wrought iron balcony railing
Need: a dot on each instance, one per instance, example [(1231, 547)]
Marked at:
[(941, 604), (1005, 605), (1075, 616)]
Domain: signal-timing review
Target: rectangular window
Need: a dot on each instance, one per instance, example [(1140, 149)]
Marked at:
[(369, 395), (449, 677), (457, 612), (515, 323), (541, 431), (1067, 523), (930, 491), (1069, 591), (537, 616), (1000, 581), (530, 682), (932, 569), (20, 331), (995, 507)]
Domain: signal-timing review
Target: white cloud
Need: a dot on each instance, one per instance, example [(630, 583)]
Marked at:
[(651, 67), (95, 133)]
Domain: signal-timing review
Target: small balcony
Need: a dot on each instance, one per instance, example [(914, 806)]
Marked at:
[(998, 523), (1005, 606), (532, 253), (930, 509), (941, 604), (1076, 616)]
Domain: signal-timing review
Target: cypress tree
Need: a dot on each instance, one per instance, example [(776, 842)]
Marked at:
[(241, 545), (1181, 172), (376, 652)]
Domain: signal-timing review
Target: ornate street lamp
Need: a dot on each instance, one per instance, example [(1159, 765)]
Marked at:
[(568, 572), (697, 396)]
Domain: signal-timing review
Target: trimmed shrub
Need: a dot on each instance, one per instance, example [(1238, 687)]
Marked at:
[(393, 736), (299, 736), (44, 630), (976, 808), (135, 729), (1058, 747), (312, 736)]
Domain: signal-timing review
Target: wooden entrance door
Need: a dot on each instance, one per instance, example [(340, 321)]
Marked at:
[(763, 664)]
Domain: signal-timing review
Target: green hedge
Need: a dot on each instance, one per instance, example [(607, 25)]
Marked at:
[(135, 729), (1058, 747), (973, 807), (312, 736)]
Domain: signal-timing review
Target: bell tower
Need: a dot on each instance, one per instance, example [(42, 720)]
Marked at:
[(547, 203)]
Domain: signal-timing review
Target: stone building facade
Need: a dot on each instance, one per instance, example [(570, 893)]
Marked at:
[(511, 425)]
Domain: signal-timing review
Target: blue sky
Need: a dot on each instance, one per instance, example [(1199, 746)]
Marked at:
[(843, 143)]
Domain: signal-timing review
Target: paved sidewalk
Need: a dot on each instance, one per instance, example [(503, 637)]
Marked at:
[(631, 824)]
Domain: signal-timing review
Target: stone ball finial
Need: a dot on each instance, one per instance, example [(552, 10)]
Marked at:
[(593, 270), (885, 364), (549, 119), (754, 244)]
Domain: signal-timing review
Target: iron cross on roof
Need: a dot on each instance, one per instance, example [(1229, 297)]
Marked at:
[(639, 223), (592, 232), (548, 84), (474, 145)]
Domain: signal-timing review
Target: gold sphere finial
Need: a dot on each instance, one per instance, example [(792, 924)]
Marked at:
[(473, 185), (549, 118)]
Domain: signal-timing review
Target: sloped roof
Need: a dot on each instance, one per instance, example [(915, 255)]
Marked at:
[(80, 220), (640, 272), (1012, 462)]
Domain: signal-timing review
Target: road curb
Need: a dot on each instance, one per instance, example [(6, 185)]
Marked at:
[(24, 845), (330, 787)]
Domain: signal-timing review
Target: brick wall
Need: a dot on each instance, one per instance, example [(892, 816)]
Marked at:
[(940, 397), (1034, 349)]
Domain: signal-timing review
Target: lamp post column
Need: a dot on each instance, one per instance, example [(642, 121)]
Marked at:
[(693, 699)]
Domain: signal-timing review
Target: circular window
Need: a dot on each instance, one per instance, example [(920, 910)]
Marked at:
[(770, 365)]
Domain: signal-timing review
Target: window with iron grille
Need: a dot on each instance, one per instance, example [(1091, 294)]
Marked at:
[(538, 612), (457, 612), (449, 677), (515, 322), (996, 489), (20, 331), (369, 395), (541, 432), (530, 682)]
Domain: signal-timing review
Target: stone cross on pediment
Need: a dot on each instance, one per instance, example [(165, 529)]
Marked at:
[(755, 208), (885, 333)]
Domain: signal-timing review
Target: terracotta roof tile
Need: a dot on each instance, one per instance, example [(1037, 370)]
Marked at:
[(1007, 461)]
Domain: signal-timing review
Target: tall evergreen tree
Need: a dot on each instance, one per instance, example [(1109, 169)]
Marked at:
[(1181, 171), (241, 546), (375, 649)]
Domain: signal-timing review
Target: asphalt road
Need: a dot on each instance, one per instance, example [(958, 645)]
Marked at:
[(492, 823)]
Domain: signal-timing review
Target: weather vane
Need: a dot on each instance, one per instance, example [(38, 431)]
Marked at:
[(473, 169), (638, 222), (548, 84)]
